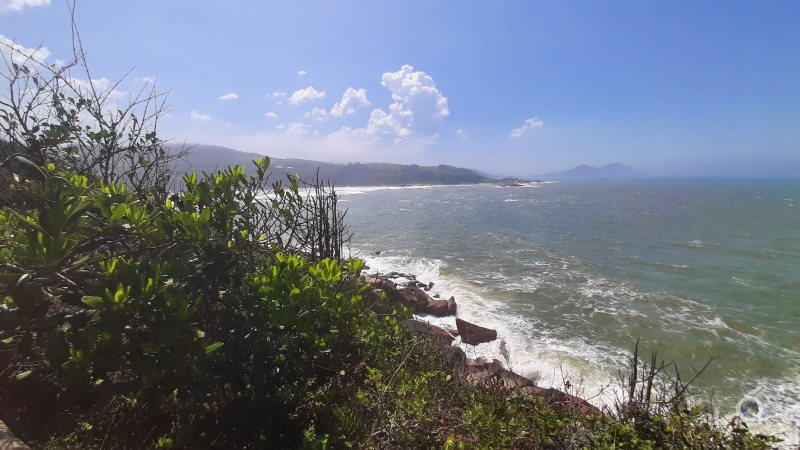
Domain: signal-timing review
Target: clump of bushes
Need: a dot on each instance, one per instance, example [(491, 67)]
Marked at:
[(183, 307)]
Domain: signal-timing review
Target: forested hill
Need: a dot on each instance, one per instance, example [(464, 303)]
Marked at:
[(212, 157)]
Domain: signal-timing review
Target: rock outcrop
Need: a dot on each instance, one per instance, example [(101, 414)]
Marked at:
[(426, 328), (474, 334), (413, 297), (479, 371)]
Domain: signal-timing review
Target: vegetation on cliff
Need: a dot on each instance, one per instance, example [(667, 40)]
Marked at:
[(225, 314), (209, 157)]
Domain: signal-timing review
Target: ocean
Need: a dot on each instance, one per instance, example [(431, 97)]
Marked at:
[(571, 274)]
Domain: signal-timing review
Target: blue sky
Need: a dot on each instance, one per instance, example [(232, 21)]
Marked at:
[(510, 87)]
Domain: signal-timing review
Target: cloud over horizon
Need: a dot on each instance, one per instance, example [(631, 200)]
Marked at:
[(529, 124)]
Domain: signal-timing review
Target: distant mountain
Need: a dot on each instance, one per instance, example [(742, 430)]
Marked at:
[(584, 172), (212, 157)]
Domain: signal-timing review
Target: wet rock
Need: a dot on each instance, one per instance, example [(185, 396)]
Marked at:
[(413, 297), (474, 334), (439, 308)]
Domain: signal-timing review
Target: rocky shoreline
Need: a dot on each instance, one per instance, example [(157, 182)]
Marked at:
[(481, 372)]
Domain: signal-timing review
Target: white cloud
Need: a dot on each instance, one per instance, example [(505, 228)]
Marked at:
[(143, 80), (271, 115), (351, 99), (301, 72), (462, 134), (308, 94), (418, 109), (20, 54), (535, 122), (19, 5), (229, 96), (401, 131), (102, 87), (279, 94), (200, 117), (316, 113), (298, 129)]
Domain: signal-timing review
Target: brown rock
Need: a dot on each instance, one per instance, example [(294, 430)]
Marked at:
[(491, 373), (413, 297), (561, 399), (439, 308), (473, 334), (380, 283), (426, 328)]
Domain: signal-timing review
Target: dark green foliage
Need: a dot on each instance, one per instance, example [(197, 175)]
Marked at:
[(182, 304)]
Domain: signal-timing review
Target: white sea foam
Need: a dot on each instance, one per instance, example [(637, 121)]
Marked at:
[(531, 349), (590, 366)]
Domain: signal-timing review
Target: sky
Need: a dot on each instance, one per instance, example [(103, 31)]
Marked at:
[(507, 87)]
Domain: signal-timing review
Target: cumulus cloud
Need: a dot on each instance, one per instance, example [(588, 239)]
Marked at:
[(145, 80), (418, 109), (19, 5), (529, 124), (316, 113), (351, 99), (199, 117), (301, 72), (229, 96), (462, 134), (20, 54), (308, 94), (271, 115)]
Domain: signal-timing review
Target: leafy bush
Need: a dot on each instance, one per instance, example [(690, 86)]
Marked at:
[(172, 305)]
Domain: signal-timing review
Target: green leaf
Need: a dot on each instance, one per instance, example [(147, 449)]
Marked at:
[(34, 171), (92, 301), (118, 211), (211, 349), (23, 375)]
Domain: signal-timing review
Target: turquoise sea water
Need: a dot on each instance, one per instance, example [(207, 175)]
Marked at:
[(572, 273)]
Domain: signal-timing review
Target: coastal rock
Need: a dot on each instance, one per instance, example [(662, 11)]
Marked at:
[(561, 399), (426, 328), (491, 373), (413, 297), (473, 334), (380, 283), (439, 308), (483, 372), (372, 298)]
